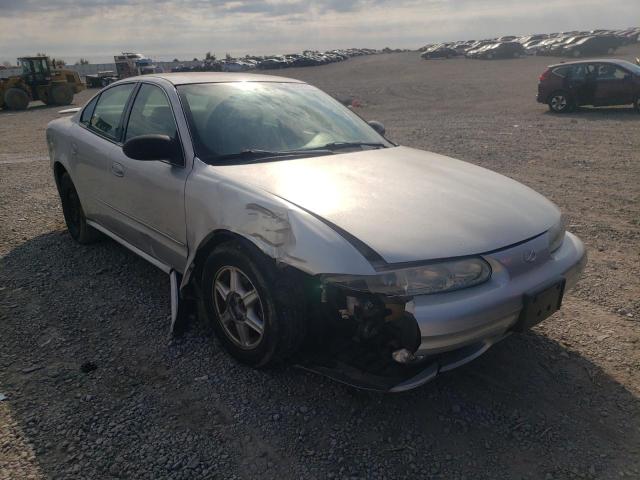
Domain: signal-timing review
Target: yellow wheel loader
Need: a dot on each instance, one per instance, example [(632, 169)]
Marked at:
[(39, 81)]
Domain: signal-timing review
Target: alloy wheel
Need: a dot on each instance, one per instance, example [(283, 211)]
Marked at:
[(559, 103), (239, 307)]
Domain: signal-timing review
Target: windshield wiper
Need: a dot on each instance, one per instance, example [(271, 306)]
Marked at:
[(339, 145), (255, 154)]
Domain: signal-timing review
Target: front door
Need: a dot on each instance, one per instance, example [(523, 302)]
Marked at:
[(148, 196), (95, 141), (614, 85)]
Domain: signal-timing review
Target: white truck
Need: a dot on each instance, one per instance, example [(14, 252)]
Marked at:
[(133, 64)]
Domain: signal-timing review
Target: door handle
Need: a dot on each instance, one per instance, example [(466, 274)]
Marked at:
[(117, 169)]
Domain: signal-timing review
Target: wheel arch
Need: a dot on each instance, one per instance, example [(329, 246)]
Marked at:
[(570, 98), (58, 170), (209, 243)]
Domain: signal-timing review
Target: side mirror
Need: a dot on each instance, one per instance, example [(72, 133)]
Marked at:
[(378, 127), (151, 147)]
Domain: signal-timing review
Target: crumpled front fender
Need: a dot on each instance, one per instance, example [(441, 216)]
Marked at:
[(278, 228)]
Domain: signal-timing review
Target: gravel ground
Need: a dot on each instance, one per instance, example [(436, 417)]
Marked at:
[(560, 401)]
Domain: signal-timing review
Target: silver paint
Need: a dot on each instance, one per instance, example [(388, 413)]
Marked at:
[(407, 205)]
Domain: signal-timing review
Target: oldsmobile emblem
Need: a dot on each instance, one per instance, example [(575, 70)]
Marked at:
[(529, 256)]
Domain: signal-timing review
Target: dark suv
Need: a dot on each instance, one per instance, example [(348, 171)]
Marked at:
[(590, 82)]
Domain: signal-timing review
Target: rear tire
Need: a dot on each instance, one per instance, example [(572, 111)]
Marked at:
[(60, 95), (16, 99), (260, 301), (74, 216), (636, 104), (560, 102)]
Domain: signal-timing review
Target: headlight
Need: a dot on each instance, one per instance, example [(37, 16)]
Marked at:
[(422, 280), (556, 234)]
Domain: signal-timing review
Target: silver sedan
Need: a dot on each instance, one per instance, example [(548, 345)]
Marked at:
[(303, 234)]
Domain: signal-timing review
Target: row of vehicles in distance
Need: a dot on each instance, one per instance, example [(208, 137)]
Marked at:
[(308, 58), (566, 44), (128, 64)]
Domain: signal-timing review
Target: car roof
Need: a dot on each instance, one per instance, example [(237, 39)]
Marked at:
[(183, 78), (615, 61)]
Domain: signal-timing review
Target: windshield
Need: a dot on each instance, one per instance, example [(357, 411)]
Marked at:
[(227, 119)]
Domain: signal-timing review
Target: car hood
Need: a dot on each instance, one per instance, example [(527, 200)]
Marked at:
[(407, 204)]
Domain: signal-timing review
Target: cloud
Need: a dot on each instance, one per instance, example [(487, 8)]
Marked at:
[(97, 29)]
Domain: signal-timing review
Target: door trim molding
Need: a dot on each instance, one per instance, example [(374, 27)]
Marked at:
[(152, 260)]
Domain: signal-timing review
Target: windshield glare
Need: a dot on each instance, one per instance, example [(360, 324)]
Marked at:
[(229, 118)]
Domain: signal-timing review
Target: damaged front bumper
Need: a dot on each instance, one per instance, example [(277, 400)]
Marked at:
[(453, 328)]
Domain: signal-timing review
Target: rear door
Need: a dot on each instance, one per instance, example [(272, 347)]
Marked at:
[(96, 138), (148, 196), (614, 85), (581, 83)]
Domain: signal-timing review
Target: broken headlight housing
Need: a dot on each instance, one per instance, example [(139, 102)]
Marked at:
[(420, 280), (556, 234)]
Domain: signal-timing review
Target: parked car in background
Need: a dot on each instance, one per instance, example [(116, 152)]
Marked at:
[(438, 52), (499, 51), (565, 86), (558, 48), (532, 47), (595, 45), (477, 50), (304, 233)]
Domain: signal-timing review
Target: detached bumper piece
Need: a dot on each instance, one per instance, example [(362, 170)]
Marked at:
[(367, 371)]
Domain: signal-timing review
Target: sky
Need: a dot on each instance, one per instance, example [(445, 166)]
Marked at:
[(164, 29)]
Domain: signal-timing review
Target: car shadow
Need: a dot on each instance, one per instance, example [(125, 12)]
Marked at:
[(91, 380), (629, 114)]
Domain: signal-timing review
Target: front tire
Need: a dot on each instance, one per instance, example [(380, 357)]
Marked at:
[(636, 104), (60, 95), (253, 308), (73, 213), (560, 102)]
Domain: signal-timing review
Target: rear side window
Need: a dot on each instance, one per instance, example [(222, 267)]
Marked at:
[(562, 71), (85, 118), (107, 115), (584, 71)]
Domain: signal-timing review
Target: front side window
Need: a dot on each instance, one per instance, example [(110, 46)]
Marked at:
[(151, 114), (229, 118), (107, 115), (608, 71)]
